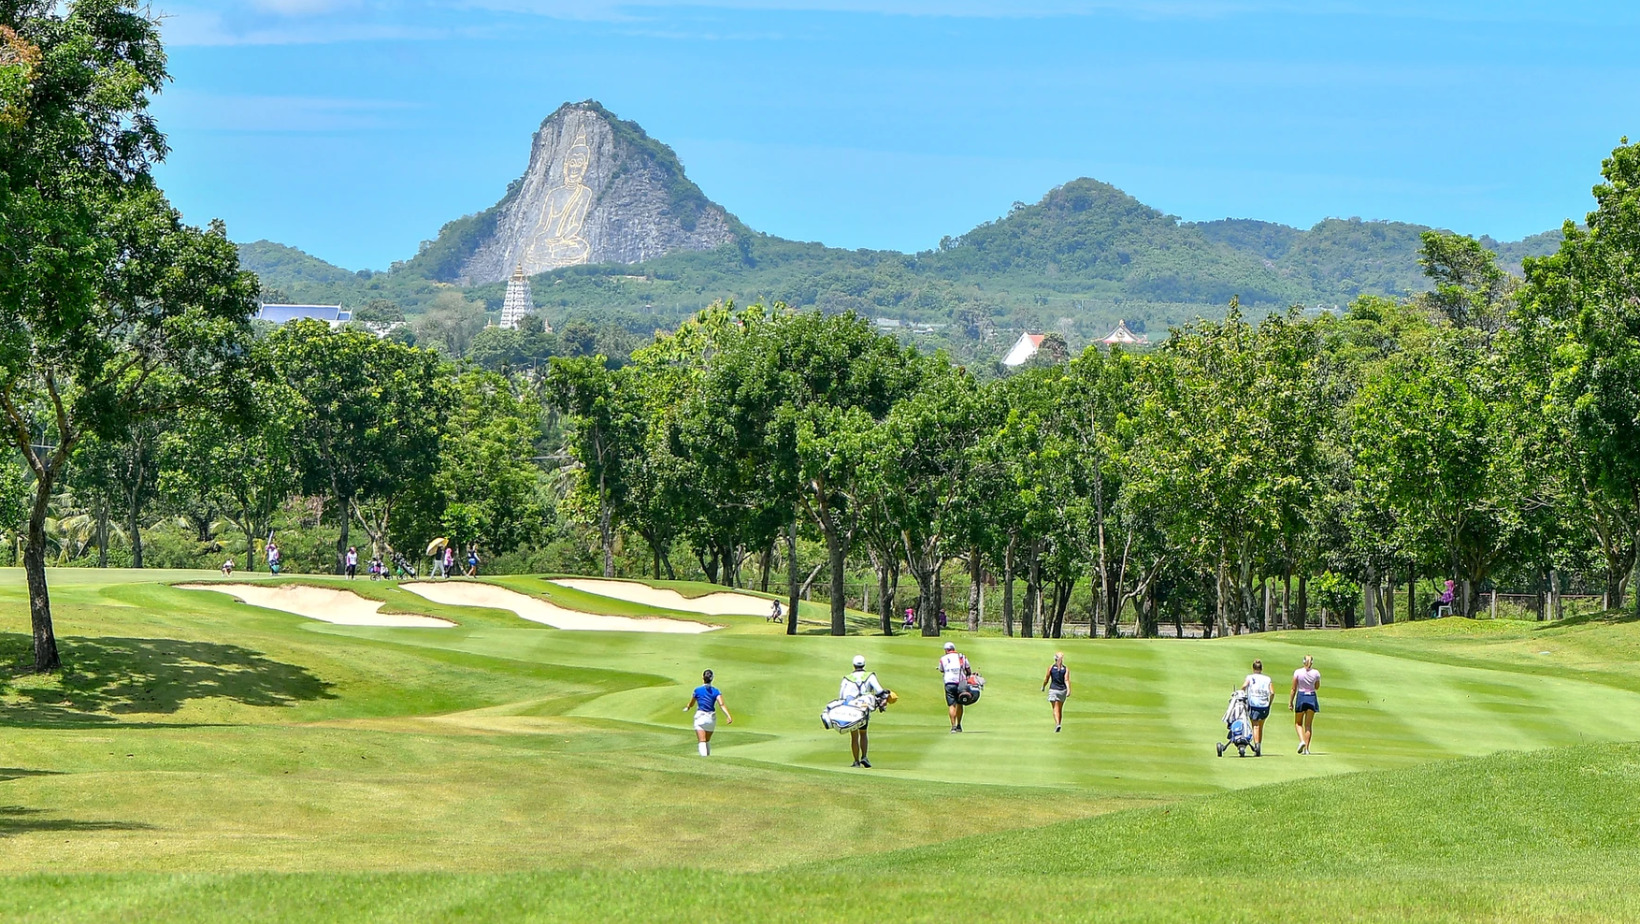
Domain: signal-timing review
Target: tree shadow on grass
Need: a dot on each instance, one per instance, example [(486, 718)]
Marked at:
[(104, 679), (17, 819)]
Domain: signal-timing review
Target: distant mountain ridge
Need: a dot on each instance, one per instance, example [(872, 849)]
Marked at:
[(607, 221)]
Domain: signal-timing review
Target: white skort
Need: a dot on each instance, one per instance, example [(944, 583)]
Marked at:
[(1057, 696), (705, 721)]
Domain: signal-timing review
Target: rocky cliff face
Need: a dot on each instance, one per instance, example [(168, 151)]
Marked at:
[(598, 190)]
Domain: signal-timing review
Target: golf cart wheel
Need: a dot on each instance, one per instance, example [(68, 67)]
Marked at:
[(1241, 751), (1220, 746)]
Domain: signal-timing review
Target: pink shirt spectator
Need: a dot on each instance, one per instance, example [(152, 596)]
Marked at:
[(1305, 679)]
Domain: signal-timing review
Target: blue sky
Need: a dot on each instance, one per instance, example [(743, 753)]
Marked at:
[(355, 128)]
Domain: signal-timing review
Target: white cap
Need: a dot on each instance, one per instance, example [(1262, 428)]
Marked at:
[(859, 660), (950, 646)]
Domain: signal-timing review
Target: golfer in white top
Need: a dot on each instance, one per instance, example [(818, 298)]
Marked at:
[(954, 668), (1260, 690)]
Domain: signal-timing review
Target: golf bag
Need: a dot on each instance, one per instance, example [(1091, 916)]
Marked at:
[(848, 715), (1238, 725), (969, 690)]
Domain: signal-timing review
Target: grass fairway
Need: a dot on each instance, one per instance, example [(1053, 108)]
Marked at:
[(205, 760)]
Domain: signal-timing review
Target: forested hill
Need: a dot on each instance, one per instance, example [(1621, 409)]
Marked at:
[(1082, 257)]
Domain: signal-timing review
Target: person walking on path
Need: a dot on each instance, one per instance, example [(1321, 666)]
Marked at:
[(706, 700), (857, 685), (1058, 684), (472, 561), (449, 560), (351, 561), (1303, 702), (1260, 690), (954, 669)]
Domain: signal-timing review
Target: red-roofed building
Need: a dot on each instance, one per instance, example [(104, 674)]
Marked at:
[(1023, 350)]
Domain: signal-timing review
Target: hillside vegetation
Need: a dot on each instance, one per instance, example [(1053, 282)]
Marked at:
[(1085, 256)]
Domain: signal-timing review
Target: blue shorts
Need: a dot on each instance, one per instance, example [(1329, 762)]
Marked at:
[(1306, 701), (1258, 713)]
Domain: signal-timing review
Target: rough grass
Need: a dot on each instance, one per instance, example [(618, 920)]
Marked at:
[(204, 760)]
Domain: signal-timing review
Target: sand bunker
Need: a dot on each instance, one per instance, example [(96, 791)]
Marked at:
[(723, 603), (465, 593), (344, 608)]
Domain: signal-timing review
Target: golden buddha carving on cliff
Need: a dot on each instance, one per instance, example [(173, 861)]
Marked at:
[(558, 240)]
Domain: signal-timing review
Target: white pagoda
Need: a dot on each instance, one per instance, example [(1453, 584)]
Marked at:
[(519, 302), (1121, 335)]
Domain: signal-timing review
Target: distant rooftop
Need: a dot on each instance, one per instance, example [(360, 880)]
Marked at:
[(1122, 335), (1024, 348), (334, 315)]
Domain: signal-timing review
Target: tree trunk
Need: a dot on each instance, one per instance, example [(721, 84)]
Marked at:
[(250, 549), (791, 565), (1412, 592), (976, 574), (1008, 589), (134, 524), (1287, 597), (1221, 622), (102, 532), (345, 504), (885, 601), (606, 530), (837, 555), (1389, 594), (763, 583), (1554, 592), (1147, 613), (39, 596), (1033, 594), (1369, 597), (1303, 602)]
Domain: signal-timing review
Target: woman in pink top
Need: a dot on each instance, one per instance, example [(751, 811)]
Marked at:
[(1302, 701)]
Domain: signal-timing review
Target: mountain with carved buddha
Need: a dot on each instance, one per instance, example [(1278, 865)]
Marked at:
[(598, 190)]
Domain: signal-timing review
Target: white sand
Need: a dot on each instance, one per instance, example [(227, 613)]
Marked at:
[(469, 593), (342, 607), (722, 603)]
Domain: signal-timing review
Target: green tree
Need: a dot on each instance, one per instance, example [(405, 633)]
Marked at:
[(1434, 441), (1471, 289), (104, 292), (450, 324), (247, 465), (485, 487), (365, 417), (818, 385), (918, 470), (602, 435), (1585, 294)]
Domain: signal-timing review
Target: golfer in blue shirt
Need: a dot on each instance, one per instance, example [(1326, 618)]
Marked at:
[(706, 700)]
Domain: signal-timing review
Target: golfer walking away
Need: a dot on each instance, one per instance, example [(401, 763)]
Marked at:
[(1260, 690), (706, 700), (856, 686), (1058, 684), (1303, 701), (954, 669)]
